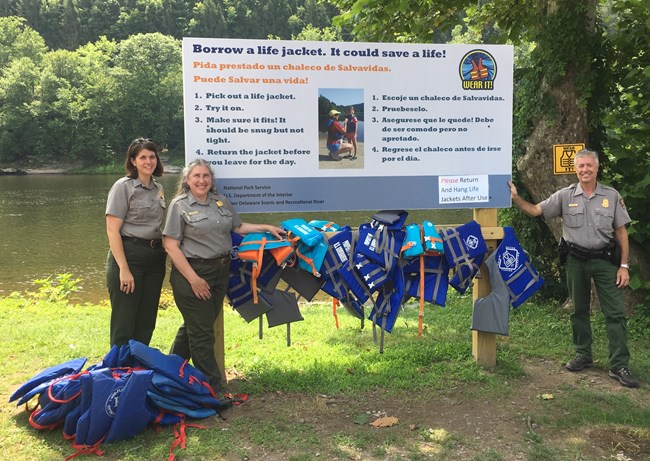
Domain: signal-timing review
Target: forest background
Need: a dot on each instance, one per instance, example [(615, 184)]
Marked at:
[(80, 78)]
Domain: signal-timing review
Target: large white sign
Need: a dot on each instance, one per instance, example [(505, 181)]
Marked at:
[(433, 123)]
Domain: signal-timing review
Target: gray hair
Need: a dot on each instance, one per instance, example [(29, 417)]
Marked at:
[(586, 153), (187, 170)]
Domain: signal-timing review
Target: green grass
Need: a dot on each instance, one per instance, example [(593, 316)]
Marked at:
[(322, 363)]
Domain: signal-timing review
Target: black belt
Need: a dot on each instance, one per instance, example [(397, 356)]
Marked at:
[(154, 243), (584, 254), (218, 260)]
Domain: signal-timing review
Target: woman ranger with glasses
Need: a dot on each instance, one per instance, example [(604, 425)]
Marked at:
[(135, 267)]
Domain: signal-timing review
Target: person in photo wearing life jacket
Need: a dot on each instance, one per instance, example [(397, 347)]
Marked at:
[(593, 229), (351, 122), (335, 133), (197, 239), (135, 267)]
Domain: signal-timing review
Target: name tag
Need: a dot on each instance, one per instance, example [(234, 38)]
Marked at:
[(572, 205)]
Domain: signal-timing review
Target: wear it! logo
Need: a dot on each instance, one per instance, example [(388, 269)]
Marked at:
[(478, 69)]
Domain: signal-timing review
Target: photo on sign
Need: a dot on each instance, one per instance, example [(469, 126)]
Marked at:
[(340, 128)]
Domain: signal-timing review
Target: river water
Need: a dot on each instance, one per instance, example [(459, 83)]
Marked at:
[(54, 224)]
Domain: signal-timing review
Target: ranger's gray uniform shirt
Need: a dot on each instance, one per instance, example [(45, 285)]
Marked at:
[(587, 221), (140, 208), (202, 228)]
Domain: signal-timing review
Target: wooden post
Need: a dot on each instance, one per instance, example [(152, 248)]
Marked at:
[(219, 348), (484, 345)]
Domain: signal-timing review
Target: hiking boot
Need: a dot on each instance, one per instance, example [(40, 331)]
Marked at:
[(579, 363), (624, 377)]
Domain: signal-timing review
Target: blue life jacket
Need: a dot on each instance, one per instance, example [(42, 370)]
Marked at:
[(42, 380), (388, 305), (338, 253), (308, 242), (353, 281), (516, 270), (133, 386), (254, 247), (373, 274), (242, 273), (436, 278), (56, 401), (380, 244), (465, 249), (339, 248), (377, 254), (101, 391)]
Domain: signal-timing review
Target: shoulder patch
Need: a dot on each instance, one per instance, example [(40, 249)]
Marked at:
[(622, 203)]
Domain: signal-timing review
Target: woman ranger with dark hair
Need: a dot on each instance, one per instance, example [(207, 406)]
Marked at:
[(135, 267)]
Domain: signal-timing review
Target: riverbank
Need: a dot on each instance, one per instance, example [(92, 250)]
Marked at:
[(67, 169)]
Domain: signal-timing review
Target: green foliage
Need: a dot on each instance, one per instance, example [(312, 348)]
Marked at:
[(51, 290), (397, 21), (17, 40), (311, 33), (66, 24), (627, 123), (84, 104)]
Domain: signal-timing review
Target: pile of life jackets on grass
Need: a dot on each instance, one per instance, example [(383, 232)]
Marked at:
[(134, 386), (382, 265)]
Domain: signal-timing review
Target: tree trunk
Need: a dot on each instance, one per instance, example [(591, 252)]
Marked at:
[(569, 125)]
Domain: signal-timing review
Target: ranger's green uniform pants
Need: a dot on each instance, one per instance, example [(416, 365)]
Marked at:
[(579, 274), (133, 315), (195, 338)]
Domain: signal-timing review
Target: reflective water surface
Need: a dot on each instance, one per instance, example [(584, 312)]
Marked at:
[(53, 224)]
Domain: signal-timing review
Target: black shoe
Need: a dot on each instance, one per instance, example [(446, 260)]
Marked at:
[(579, 363), (624, 377)]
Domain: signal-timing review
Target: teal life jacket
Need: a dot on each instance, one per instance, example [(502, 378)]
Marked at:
[(299, 227), (422, 239), (324, 225), (309, 244)]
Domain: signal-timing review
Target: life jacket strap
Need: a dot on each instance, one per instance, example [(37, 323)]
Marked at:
[(534, 278)]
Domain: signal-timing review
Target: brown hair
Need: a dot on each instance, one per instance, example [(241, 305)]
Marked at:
[(137, 145)]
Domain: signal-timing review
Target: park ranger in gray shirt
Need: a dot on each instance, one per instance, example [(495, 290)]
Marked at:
[(135, 267), (593, 226), (197, 239)]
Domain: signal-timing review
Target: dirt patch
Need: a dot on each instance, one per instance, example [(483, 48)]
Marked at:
[(473, 423)]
